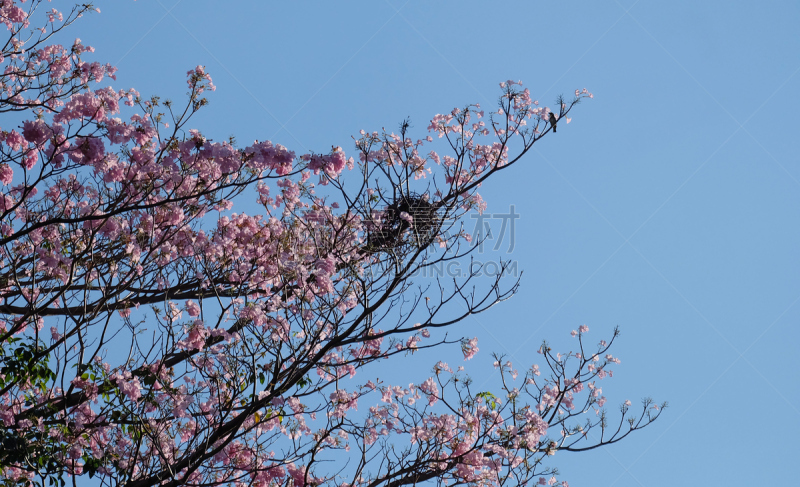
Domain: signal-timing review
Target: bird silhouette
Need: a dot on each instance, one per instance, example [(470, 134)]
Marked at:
[(553, 121)]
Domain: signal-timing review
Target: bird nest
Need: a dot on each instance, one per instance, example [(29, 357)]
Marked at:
[(396, 233)]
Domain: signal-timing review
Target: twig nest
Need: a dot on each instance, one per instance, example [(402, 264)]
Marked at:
[(411, 221)]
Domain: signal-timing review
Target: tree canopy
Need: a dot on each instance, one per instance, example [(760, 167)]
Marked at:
[(151, 334)]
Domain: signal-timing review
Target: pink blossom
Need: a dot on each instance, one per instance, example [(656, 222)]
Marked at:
[(469, 348), (35, 132), (430, 388), (6, 174), (15, 140), (192, 308), (118, 131), (30, 160), (196, 338), (342, 401)]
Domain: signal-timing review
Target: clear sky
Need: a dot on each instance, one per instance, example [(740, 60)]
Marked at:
[(670, 206)]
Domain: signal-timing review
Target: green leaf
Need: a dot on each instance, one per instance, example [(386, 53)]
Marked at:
[(491, 399)]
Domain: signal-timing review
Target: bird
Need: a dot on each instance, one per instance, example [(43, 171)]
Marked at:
[(553, 121)]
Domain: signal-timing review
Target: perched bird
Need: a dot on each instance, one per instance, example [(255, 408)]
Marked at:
[(553, 121)]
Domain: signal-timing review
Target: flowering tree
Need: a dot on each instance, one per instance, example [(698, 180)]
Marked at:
[(151, 336)]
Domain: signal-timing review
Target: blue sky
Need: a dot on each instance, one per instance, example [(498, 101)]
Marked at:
[(669, 206)]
